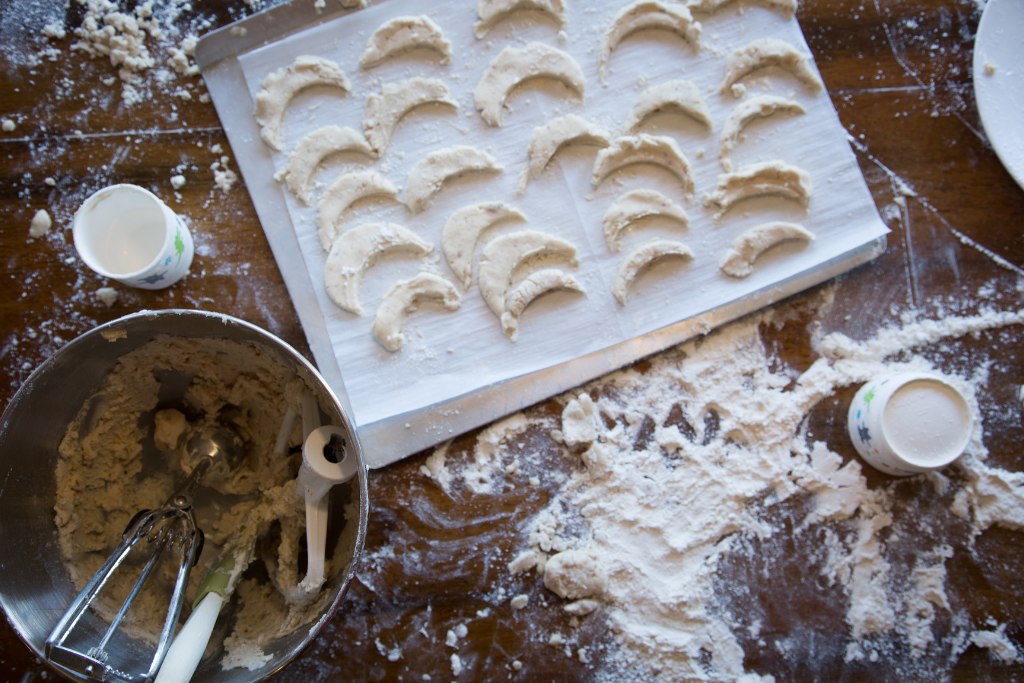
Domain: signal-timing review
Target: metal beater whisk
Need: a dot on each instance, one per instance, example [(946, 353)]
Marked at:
[(171, 526)]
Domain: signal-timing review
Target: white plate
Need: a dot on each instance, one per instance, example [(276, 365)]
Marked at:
[(999, 81)]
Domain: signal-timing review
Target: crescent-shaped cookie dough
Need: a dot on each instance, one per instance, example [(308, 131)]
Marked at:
[(311, 152), (767, 52), (785, 7), (279, 87), (745, 112), (635, 205), (643, 149), (403, 298), (432, 171), (756, 180), (343, 193), (402, 34), (549, 138), (463, 229), (493, 11), (384, 111), (739, 260), (506, 254), (533, 286), (674, 96), (642, 258), (512, 66), (358, 249), (643, 15)]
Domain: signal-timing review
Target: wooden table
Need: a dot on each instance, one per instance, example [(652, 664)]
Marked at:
[(899, 74)]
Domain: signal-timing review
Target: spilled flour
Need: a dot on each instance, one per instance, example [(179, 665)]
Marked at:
[(678, 464)]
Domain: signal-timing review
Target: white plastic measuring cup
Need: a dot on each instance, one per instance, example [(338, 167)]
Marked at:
[(906, 423), (126, 233)]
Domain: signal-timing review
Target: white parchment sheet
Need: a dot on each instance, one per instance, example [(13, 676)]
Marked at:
[(449, 354)]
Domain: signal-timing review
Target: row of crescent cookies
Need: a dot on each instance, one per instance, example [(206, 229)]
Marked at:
[(360, 247)]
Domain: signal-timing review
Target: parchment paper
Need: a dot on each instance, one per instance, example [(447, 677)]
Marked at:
[(447, 354)]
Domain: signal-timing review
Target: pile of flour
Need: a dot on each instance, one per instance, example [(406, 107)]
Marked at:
[(675, 465)]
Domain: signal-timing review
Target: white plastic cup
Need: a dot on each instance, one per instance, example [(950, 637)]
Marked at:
[(907, 423), (124, 232)]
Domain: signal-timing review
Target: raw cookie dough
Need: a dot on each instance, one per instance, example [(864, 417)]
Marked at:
[(756, 180), (107, 295), (674, 96), (432, 171), (643, 15), (493, 11), (787, 8), (403, 298), (546, 140), (533, 286), (312, 150), (505, 255), (384, 111), (634, 206), (345, 191), (169, 429), (769, 52), (659, 150), (41, 224), (739, 260), (108, 469), (745, 112), (512, 66), (402, 34), (358, 249), (575, 574), (462, 231), (640, 259), (279, 87)]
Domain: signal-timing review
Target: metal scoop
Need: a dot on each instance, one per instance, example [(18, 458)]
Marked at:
[(171, 526)]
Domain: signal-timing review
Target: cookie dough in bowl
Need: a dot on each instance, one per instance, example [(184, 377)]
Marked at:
[(96, 435)]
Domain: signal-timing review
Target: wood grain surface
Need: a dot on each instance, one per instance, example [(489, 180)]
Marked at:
[(899, 74)]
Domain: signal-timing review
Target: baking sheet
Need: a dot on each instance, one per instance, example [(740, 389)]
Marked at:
[(457, 370)]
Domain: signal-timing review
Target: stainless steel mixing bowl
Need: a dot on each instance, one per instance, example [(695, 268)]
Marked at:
[(35, 588)]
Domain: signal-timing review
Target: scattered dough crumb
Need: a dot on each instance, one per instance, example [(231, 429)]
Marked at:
[(574, 574), (41, 224), (998, 645), (168, 428), (520, 601), (112, 335), (177, 181), (108, 295), (990, 70), (578, 421), (7, 125)]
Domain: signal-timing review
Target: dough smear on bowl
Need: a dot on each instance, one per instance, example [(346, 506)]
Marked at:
[(121, 454)]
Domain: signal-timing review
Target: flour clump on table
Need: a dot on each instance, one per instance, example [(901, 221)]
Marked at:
[(636, 532), (113, 464)]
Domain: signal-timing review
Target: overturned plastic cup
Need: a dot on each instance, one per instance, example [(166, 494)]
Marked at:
[(124, 232), (906, 423)]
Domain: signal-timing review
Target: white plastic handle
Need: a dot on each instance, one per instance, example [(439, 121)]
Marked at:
[(316, 477), (187, 649)]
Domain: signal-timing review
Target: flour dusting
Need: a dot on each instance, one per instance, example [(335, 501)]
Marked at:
[(678, 467)]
